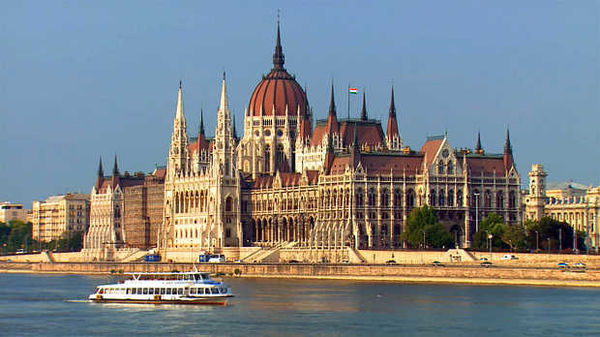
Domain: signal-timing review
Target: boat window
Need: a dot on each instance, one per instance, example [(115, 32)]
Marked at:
[(168, 291), (222, 290), (127, 291), (145, 291), (193, 291), (151, 291), (180, 291), (214, 291), (157, 291), (162, 291)]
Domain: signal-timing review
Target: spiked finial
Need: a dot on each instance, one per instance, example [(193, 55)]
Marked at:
[(332, 103), (116, 167), (363, 112), (201, 127), (507, 146), (392, 105), (392, 126), (100, 170), (478, 145), (223, 105), (179, 109), (278, 57)]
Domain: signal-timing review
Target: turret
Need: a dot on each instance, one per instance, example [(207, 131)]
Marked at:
[(478, 148), (115, 173), (178, 151), (508, 156), (100, 175), (332, 122)]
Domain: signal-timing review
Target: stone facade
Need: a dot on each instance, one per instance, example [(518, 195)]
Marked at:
[(342, 183), (12, 211), (60, 214), (123, 207), (575, 204)]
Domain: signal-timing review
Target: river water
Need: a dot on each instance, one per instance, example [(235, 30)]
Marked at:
[(53, 305)]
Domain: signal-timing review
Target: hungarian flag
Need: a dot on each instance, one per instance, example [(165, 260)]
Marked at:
[(352, 91)]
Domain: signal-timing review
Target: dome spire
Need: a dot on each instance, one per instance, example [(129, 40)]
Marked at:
[(478, 145), (278, 57)]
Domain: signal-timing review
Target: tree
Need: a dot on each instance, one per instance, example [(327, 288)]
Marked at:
[(515, 237), (423, 229), (492, 224), (559, 232)]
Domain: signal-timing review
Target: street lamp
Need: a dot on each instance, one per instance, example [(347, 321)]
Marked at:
[(476, 194), (537, 243), (490, 236), (422, 230), (548, 248), (559, 240)]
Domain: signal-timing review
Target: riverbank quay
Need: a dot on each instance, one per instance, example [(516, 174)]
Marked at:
[(416, 273)]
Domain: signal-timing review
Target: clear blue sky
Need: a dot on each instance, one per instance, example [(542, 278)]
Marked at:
[(80, 79)]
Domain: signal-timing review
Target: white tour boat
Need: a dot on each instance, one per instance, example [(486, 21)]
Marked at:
[(165, 288)]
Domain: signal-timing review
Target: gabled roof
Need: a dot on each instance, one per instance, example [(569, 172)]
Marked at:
[(431, 148), (368, 132), (486, 165)]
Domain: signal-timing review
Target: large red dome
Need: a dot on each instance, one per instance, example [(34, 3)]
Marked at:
[(278, 90)]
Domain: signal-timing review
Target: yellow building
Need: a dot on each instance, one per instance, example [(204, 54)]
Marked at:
[(10, 211), (58, 214), (576, 204)]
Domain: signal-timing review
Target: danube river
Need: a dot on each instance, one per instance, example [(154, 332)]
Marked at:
[(53, 305)]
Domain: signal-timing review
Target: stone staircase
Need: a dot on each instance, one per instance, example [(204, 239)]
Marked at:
[(265, 254)]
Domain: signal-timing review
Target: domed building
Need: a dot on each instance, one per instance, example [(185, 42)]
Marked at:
[(277, 108)]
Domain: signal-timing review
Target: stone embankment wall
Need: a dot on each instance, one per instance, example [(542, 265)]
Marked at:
[(454, 273)]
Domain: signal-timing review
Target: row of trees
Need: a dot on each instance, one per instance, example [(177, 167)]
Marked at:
[(16, 235), (423, 230)]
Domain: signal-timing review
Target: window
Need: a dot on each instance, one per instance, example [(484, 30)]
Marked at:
[(451, 198), (229, 204), (145, 291), (432, 197), (410, 199), (267, 158), (359, 198), (180, 291), (441, 167), (450, 169), (227, 232)]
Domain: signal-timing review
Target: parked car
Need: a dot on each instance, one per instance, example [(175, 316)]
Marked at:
[(580, 265), (563, 265), (390, 262), (483, 259), (438, 264), (293, 261), (508, 257), (486, 264)]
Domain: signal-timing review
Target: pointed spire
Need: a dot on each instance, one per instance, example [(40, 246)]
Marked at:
[(363, 112), (116, 167), (179, 109), (507, 146), (392, 126), (478, 145), (201, 127), (100, 170), (224, 104), (332, 122), (278, 57)]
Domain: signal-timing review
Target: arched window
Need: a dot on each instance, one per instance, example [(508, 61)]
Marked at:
[(512, 200), (487, 199), (500, 200), (450, 167), (410, 199), (441, 167), (279, 157), (229, 204), (459, 198), (385, 198), (360, 199), (371, 197), (397, 198), (450, 197), (441, 198), (432, 197)]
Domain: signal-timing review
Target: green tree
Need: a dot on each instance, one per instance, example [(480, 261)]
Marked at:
[(515, 237), (492, 224), (559, 232), (423, 229)]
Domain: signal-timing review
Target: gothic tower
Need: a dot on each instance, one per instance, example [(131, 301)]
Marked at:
[(535, 201)]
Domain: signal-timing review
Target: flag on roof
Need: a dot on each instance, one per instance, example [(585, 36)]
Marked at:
[(353, 91)]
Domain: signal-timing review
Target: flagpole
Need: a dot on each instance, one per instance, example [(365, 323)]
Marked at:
[(348, 106)]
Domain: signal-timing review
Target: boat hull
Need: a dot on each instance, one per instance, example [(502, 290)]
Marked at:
[(186, 301)]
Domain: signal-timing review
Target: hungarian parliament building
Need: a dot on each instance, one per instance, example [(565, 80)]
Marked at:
[(290, 181)]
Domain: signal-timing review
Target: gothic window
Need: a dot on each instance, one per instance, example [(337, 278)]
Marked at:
[(450, 168), (267, 158), (385, 199), (487, 200), (441, 167), (279, 157), (450, 197), (227, 232), (371, 197), (410, 199), (441, 198), (117, 212), (229, 204), (359, 197), (512, 200), (397, 198), (432, 197), (459, 198)]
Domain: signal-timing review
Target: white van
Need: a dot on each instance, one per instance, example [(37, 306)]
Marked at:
[(216, 258), (508, 257)]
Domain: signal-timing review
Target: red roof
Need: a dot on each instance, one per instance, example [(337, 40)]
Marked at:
[(278, 89), (486, 165), (430, 149), (368, 133)]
